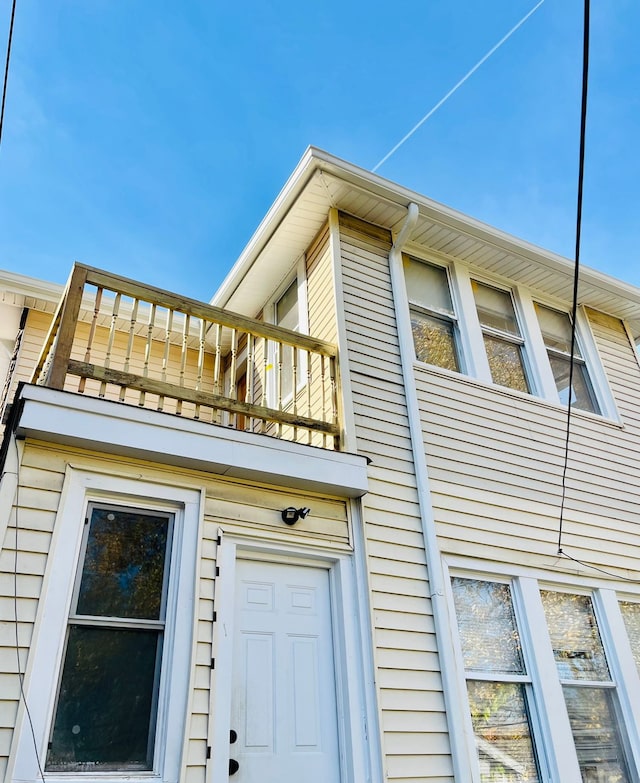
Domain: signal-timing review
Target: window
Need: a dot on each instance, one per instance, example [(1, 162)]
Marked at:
[(501, 334), (107, 701), (288, 364), (110, 661), (433, 319), (556, 333), (498, 686), (286, 359), (530, 723), (631, 616), (587, 685)]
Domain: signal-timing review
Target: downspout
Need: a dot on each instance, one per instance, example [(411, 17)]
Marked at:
[(456, 717)]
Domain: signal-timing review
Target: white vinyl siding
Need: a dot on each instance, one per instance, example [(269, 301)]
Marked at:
[(413, 721)]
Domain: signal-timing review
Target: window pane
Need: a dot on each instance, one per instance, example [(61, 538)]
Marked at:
[(287, 308), (631, 614), (428, 286), (505, 363), (576, 643), (105, 705), (596, 735), (503, 733), (582, 394), (556, 329), (434, 341), (124, 564), (495, 308), (490, 640)]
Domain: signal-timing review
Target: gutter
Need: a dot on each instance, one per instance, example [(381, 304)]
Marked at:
[(455, 715)]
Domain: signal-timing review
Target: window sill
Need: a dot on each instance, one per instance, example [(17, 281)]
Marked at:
[(550, 405)]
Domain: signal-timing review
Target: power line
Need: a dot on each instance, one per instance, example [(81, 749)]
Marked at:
[(459, 84), (6, 67), (576, 271)]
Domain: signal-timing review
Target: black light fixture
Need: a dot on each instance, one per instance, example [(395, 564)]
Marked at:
[(291, 515)]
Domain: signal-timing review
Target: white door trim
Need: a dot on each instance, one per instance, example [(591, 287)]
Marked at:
[(352, 723)]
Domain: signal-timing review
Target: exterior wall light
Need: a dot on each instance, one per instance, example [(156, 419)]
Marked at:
[(291, 515)]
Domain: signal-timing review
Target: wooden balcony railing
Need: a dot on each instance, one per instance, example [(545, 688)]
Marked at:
[(115, 338)]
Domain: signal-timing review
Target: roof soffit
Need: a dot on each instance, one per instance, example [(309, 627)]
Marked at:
[(322, 181)]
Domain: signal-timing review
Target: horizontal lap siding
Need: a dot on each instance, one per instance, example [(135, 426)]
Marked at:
[(495, 464), (413, 721), (244, 509)]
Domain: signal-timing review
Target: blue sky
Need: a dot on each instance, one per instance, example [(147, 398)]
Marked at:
[(150, 137)]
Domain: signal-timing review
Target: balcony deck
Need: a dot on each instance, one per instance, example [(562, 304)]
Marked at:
[(121, 340)]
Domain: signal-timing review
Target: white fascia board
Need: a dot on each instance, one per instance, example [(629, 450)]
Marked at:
[(30, 286), (117, 428)]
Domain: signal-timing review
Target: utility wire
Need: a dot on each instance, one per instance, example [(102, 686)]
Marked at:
[(6, 67), (459, 84), (576, 271)]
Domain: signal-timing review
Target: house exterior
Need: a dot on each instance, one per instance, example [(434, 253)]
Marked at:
[(313, 529)]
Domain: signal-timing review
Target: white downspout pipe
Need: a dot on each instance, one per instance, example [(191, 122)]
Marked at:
[(456, 715)]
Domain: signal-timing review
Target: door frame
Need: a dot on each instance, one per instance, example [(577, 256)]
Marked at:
[(356, 741)]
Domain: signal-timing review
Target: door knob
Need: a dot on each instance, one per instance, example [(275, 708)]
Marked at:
[(233, 766)]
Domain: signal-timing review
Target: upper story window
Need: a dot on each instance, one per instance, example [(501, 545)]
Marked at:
[(433, 320), (501, 335), (556, 333), (287, 315)]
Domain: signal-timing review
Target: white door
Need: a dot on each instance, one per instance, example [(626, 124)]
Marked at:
[(283, 707)]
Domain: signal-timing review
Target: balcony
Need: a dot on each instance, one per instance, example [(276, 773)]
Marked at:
[(120, 340)]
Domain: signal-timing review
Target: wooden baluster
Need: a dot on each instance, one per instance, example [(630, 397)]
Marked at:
[(323, 381), (266, 378), (147, 351), (294, 384), (251, 358), (165, 358), (309, 431), (217, 368), (333, 370), (112, 334), (232, 373), (183, 357), (279, 383), (127, 358), (92, 333), (203, 332)]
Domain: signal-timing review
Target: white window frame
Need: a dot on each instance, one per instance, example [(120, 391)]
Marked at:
[(46, 658), (472, 354), (557, 757), (300, 277)]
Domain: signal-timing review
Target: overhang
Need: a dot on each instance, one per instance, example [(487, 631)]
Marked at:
[(117, 428), (321, 181)]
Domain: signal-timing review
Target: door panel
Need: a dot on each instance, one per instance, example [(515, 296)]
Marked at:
[(283, 690)]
